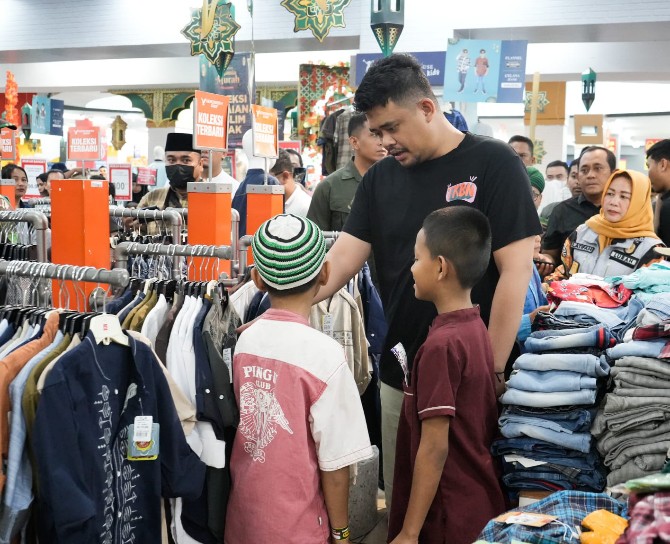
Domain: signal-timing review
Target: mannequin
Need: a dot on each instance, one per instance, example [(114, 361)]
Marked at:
[(256, 175)]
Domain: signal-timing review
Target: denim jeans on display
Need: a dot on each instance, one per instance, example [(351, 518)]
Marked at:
[(590, 365), (535, 478), (543, 400), (583, 312), (594, 336), (636, 348), (550, 381), (575, 441), (548, 321), (571, 418)]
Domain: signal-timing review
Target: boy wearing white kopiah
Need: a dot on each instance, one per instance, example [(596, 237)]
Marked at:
[(301, 420)]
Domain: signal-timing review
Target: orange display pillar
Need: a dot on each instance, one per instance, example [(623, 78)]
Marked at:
[(209, 223), (79, 233), (8, 189), (263, 203)]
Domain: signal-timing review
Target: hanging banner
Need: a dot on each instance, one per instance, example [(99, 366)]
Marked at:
[(265, 132), (121, 176), (550, 103), (432, 63), (57, 111), (8, 144), (33, 168), (146, 176), (40, 121), (83, 144), (238, 85), (210, 121), (485, 70)]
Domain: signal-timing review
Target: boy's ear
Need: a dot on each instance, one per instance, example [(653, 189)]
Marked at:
[(258, 281), (444, 267), (324, 274)]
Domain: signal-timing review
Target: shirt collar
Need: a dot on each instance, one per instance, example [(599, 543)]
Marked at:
[(350, 171), (457, 316), (581, 199)]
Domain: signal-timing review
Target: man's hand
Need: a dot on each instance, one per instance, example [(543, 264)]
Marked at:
[(404, 539), (534, 313)]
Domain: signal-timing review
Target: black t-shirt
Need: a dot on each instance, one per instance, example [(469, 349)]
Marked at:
[(664, 220), (389, 208), (565, 218)]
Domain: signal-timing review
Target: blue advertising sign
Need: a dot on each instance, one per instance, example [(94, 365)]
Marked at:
[(41, 115), (57, 110), (237, 84), (485, 70), (432, 63)]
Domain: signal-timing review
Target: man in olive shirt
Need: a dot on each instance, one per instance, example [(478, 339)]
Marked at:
[(331, 202), (596, 165)]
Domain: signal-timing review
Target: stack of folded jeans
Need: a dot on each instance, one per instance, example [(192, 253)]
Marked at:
[(550, 404), (632, 426)]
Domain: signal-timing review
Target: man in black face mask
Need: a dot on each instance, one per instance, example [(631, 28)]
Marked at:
[(183, 164)]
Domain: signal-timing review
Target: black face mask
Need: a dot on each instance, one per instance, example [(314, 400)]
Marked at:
[(179, 175)]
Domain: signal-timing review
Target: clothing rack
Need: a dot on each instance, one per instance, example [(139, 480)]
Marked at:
[(170, 216), (64, 272), (330, 237), (40, 223), (124, 249)]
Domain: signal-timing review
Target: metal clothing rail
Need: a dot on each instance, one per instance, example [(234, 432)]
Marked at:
[(170, 216), (65, 272), (245, 242), (40, 223), (235, 229), (124, 249)]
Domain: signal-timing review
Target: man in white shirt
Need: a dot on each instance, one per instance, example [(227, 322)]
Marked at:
[(556, 189), (296, 199)]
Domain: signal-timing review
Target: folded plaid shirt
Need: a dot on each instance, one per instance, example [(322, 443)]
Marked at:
[(653, 332), (570, 507), (649, 519)]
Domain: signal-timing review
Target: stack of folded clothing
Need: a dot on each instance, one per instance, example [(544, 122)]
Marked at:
[(550, 403), (646, 282), (633, 425)]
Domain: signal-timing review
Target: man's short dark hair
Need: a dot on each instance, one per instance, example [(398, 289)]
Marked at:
[(53, 171), (574, 162), (356, 123), (562, 164), (461, 235), (611, 157), (399, 78), (282, 164), (523, 139), (294, 152), (660, 150)]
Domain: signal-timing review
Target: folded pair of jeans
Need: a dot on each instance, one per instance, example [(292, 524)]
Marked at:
[(563, 437), (636, 468), (612, 444), (636, 348), (541, 400), (587, 364), (597, 336), (538, 477), (550, 381), (571, 419)]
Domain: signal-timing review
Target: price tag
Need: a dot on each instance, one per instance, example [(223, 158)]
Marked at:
[(327, 324), (142, 428), (228, 359)]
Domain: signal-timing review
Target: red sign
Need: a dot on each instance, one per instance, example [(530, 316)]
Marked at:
[(8, 143), (649, 142), (265, 131), (291, 144), (210, 121), (83, 144), (121, 176), (33, 168), (146, 176)]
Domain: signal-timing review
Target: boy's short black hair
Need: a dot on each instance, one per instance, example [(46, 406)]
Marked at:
[(560, 163), (282, 164), (660, 150), (462, 235), (399, 78), (279, 293)]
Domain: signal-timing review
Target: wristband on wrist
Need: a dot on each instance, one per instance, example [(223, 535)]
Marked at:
[(340, 534)]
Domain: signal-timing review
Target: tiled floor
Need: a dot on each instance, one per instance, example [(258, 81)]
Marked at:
[(378, 534)]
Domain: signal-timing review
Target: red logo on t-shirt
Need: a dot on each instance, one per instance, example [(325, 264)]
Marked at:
[(463, 191)]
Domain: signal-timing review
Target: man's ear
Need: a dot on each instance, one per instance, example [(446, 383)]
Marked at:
[(428, 108), (353, 142), (258, 281)]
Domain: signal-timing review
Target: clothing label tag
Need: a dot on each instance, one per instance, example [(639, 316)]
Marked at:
[(228, 359), (327, 324), (399, 351), (523, 461), (147, 450), (142, 428), (529, 519)]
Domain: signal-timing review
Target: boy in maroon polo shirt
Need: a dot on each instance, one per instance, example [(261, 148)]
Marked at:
[(446, 486)]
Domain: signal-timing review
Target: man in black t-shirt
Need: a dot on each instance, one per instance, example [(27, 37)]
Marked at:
[(658, 162), (431, 165)]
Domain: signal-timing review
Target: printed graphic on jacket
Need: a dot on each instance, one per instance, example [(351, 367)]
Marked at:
[(260, 412)]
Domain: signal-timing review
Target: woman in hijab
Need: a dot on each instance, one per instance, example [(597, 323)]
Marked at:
[(621, 238)]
